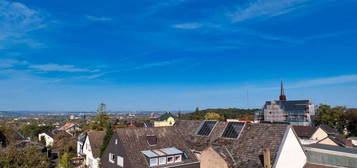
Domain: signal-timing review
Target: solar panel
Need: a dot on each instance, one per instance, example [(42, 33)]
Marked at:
[(206, 128), (233, 130)]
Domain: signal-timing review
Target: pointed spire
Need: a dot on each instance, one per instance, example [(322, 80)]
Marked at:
[(282, 96)]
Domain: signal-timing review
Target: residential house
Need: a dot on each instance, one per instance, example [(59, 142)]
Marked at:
[(237, 144), (91, 148), (47, 137), (166, 119), (328, 156), (70, 128), (296, 112), (321, 135), (148, 147)]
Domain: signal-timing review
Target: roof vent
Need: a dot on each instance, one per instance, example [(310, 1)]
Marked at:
[(151, 139)]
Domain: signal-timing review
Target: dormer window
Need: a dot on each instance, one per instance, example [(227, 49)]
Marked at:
[(153, 162), (178, 158), (163, 156)]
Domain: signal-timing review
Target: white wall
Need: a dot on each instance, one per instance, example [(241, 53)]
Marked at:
[(48, 139), (90, 161), (290, 153)]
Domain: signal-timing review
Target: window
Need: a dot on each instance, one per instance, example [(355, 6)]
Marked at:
[(120, 161), (153, 161), (116, 141), (162, 160), (178, 158), (111, 158), (170, 159)]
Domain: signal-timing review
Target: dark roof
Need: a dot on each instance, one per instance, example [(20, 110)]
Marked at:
[(165, 116), (328, 129), (333, 148), (291, 104), (134, 141), (304, 132), (244, 151), (96, 140)]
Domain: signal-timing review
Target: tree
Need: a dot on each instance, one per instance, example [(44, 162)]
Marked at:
[(64, 161), (107, 137), (351, 121), (101, 120), (331, 116), (213, 116), (27, 157)]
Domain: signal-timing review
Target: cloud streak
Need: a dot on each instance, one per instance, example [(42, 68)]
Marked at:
[(59, 68), (267, 9), (187, 26), (326, 81), (17, 20), (97, 19)]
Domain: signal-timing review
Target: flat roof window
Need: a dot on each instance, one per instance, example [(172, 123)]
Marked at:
[(233, 129)]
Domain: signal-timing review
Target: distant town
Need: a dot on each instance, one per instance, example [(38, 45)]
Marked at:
[(283, 133)]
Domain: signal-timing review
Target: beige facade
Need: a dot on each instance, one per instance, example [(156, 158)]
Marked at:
[(319, 134), (328, 141), (168, 122), (211, 159)]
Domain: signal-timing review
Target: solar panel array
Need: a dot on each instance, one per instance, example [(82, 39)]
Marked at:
[(233, 130), (206, 128)]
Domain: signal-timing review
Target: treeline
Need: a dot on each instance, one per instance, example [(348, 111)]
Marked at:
[(339, 117), (230, 113)]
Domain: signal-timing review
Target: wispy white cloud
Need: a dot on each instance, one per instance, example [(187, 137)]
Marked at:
[(156, 64), (267, 9), (187, 26), (59, 68), (97, 18), (9, 63), (17, 20), (326, 81)]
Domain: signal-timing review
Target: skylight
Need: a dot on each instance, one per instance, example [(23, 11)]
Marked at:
[(233, 129), (206, 128)]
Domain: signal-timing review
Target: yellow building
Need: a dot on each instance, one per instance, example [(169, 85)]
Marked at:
[(164, 120)]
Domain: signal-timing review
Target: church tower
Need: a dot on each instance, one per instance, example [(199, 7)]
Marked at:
[(282, 96)]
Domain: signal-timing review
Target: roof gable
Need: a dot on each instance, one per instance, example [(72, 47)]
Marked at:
[(134, 141), (244, 151)]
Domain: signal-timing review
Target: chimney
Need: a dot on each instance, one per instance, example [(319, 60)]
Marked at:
[(267, 160)]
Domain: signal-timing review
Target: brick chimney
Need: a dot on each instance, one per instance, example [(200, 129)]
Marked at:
[(267, 160)]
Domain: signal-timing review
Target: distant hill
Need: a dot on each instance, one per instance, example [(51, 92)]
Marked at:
[(230, 113)]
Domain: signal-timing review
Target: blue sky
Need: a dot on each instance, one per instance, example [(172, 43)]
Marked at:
[(175, 54)]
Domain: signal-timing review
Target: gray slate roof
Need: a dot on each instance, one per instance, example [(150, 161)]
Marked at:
[(96, 140), (246, 151), (304, 132), (134, 141)]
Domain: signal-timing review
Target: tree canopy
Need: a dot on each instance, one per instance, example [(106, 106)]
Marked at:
[(230, 113)]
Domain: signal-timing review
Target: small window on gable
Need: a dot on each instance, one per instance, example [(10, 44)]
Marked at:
[(178, 158), (153, 162), (111, 158), (120, 161), (170, 159), (162, 160)]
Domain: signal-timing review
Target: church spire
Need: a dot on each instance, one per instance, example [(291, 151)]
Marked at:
[(282, 96)]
